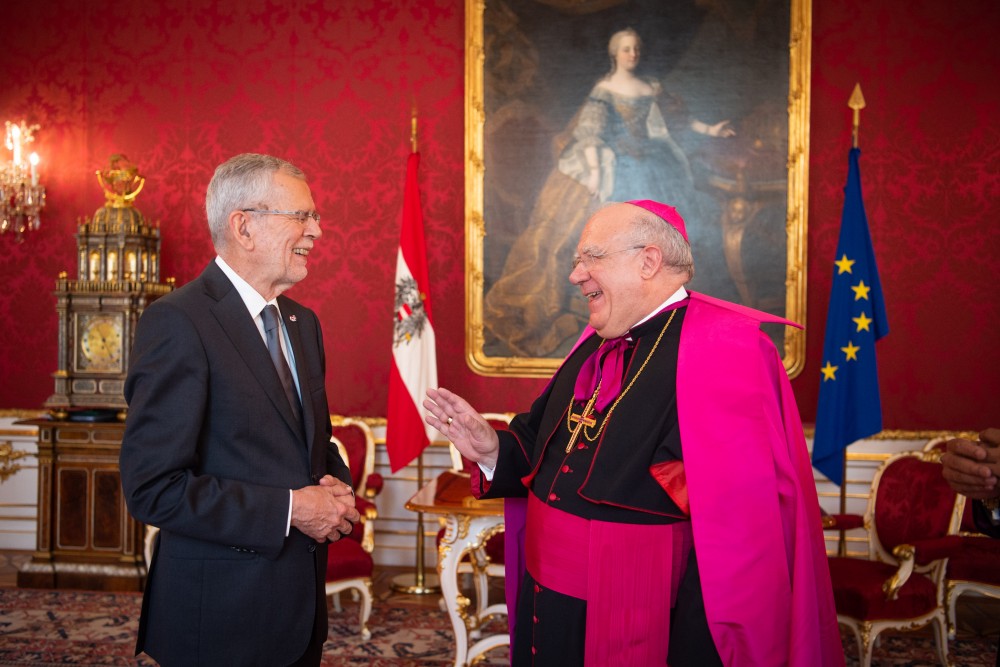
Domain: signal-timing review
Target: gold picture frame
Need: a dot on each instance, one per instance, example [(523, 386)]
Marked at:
[(750, 190)]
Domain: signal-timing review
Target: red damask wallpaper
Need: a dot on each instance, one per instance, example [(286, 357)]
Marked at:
[(181, 86)]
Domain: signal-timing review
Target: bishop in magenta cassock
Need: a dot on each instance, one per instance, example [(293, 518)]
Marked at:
[(671, 513)]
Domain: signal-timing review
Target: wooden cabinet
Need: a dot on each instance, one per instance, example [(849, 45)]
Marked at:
[(86, 537)]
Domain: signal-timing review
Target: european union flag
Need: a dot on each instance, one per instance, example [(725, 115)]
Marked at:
[(849, 405)]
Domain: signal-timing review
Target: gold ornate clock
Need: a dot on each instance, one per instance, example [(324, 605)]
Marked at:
[(100, 342), (118, 263)]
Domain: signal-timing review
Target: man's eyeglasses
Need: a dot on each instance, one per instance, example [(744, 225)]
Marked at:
[(588, 259), (299, 216)]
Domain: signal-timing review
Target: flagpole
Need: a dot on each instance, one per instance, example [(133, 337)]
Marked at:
[(413, 128), (856, 103), (842, 539), (419, 583)]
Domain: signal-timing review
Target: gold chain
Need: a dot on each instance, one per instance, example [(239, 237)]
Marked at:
[(607, 418)]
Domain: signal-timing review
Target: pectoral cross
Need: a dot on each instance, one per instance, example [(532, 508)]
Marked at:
[(582, 420)]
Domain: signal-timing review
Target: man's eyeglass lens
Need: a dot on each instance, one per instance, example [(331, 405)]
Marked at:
[(588, 259), (299, 216)]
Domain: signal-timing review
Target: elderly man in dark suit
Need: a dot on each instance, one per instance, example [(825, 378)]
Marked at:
[(227, 442)]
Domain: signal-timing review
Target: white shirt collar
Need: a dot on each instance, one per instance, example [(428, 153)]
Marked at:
[(251, 298), (680, 294)]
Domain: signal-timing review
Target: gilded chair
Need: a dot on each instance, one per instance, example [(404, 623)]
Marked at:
[(974, 566), (487, 561), (911, 519), (356, 437), (350, 564)]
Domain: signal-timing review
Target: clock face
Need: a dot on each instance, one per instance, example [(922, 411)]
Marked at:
[(99, 343)]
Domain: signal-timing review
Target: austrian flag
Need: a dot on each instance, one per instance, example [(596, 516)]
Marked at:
[(414, 367)]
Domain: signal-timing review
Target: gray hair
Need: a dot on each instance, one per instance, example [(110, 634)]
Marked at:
[(243, 181), (649, 229), (615, 41)]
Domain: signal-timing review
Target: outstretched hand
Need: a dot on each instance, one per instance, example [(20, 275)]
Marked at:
[(465, 427), (723, 129)]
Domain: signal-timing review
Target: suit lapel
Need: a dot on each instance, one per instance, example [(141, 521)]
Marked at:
[(232, 315)]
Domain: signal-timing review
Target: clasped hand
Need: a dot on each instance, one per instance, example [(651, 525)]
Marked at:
[(325, 511), (973, 467)]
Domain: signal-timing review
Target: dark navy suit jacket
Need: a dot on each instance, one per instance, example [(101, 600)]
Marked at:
[(210, 451)]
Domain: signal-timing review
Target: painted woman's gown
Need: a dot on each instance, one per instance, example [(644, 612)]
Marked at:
[(532, 309)]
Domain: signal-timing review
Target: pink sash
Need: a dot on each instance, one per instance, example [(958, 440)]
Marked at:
[(627, 573)]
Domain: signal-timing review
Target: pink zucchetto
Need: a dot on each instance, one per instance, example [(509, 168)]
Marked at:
[(668, 213)]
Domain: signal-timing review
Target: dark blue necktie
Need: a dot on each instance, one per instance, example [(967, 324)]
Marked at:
[(272, 330)]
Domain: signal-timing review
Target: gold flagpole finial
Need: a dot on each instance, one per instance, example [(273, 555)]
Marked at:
[(413, 128), (857, 103)]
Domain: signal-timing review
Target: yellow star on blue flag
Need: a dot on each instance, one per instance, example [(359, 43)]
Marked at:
[(849, 405)]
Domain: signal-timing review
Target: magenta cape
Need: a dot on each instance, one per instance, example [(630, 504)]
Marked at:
[(754, 511)]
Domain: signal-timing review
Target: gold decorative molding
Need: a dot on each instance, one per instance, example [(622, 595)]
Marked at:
[(922, 435), (18, 413), (7, 457), (898, 434), (371, 421), (799, 87), (462, 606)]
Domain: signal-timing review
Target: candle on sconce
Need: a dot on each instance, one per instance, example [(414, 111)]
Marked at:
[(15, 140), (24, 196)]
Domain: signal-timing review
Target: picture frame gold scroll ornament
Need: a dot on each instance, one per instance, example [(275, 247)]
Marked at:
[(572, 104)]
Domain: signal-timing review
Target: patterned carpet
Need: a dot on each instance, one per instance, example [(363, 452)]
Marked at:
[(48, 628)]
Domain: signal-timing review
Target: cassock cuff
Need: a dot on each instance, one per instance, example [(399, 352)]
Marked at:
[(487, 472)]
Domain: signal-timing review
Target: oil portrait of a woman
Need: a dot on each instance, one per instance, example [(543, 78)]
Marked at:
[(619, 147), (590, 102)]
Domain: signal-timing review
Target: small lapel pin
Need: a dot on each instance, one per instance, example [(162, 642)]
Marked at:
[(293, 318)]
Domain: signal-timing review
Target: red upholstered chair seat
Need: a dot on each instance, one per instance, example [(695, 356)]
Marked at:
[(858, 578), (978, 559), (347, 560)]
